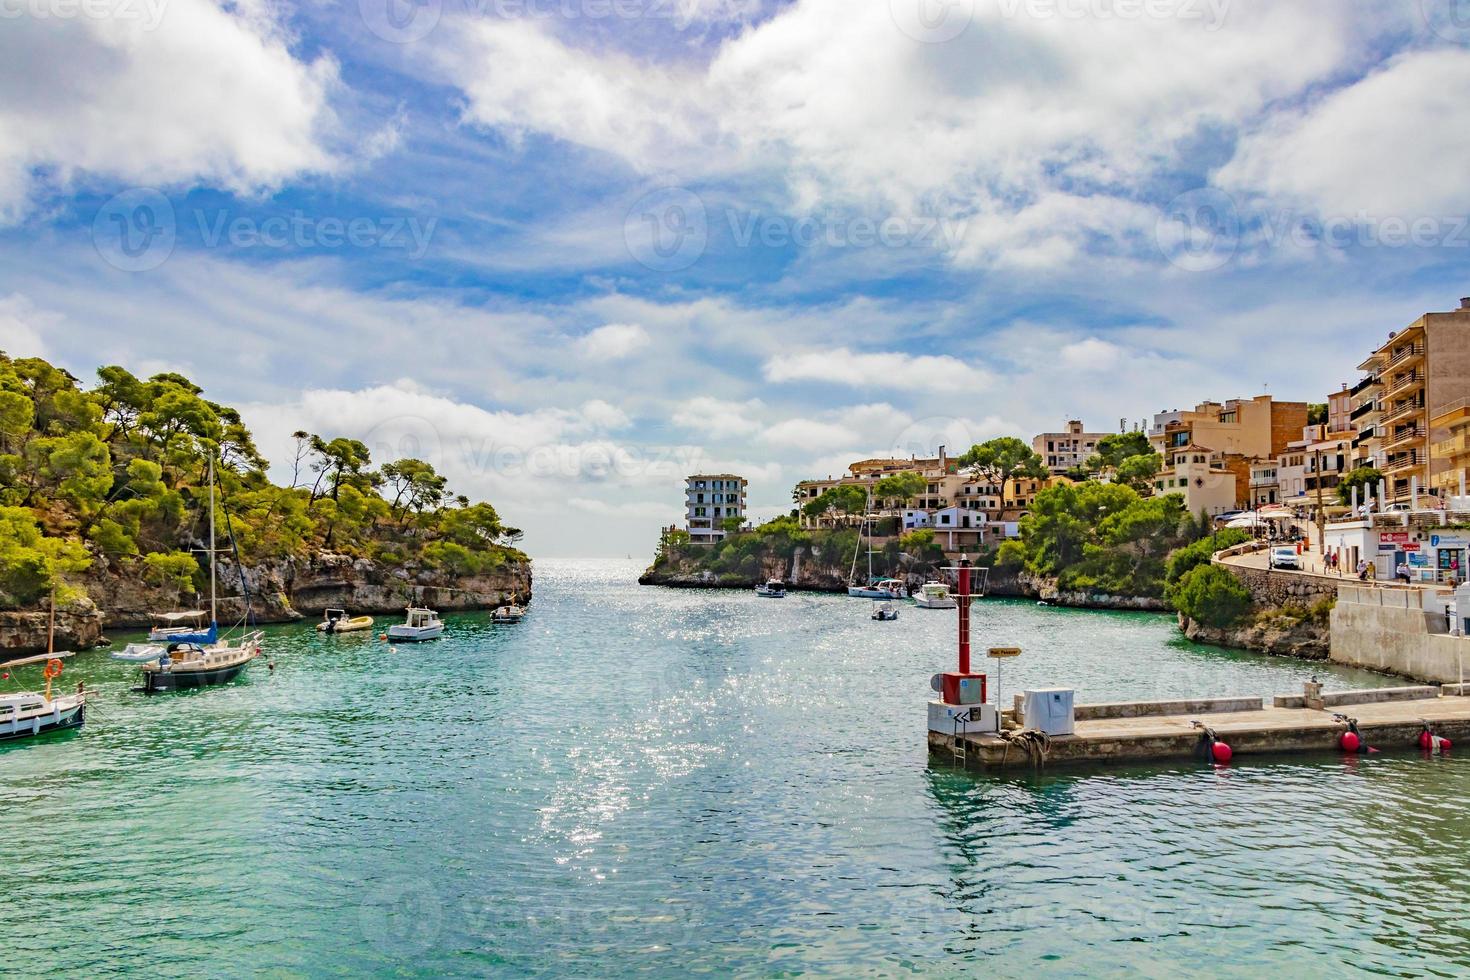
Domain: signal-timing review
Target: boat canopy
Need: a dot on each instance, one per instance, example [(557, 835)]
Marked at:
[(179, 617), (40, 659)]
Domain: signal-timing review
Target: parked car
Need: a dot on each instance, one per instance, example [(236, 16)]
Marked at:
[(1285, 558)]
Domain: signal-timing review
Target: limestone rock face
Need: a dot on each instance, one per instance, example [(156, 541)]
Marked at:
[(281, 591), (23, 632), (1283, 636)]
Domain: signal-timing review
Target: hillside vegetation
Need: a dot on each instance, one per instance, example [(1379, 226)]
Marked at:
[(116, 474)]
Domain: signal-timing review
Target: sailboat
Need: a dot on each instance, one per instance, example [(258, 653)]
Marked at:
[(179, 664), (24, 713), (887, 588)]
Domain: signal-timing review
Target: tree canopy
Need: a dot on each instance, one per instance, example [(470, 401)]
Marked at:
[(118, 472), (1001, 460)]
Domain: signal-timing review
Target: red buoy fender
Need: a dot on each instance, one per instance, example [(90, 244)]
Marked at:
[(1221, 752), (1350, 742), (1426, 739)]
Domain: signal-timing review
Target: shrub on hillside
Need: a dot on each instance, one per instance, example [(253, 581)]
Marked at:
[(1188, 558), (1212, 596)]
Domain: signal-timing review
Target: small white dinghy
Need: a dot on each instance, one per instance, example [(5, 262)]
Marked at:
[(884, 611), (421, 624)]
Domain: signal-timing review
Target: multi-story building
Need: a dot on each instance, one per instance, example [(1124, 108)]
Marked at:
[(1235, 435), (1204, 483), (1449, 451), (1064, 451), (710, 500), (965, 513), (1316, 461), (1418, 375)]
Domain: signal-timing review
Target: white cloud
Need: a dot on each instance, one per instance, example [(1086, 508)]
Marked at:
[(1092, 354), (614, 342), (21, 325), (205, 93), (601, 415), (1041, 133), (886, 370), (1396, 144), (714, 418), (809, 434)]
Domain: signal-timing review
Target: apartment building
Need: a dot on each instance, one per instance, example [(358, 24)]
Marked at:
[(1063, 451), (709, 501), (1417, 376), (1449, 451), (1318, 460), (1235, 435), (965, 513)]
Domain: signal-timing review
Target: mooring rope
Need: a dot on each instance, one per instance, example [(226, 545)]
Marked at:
[(1036, 745)]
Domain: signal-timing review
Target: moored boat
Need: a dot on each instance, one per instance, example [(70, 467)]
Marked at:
[(887, 588), (183, 627), (774, 589), (419, 625), (884, 611), (935, 595), (337, 621), (511, 613), (24, 714), (178, 664)]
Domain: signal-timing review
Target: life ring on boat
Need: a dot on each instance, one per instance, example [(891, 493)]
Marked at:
[(53, 669)]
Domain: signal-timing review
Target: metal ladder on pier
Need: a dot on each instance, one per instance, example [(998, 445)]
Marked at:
[(957, 747)]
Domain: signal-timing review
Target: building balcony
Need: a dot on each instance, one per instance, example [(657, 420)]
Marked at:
[(1450, 448), (1370, 381), (1405, 436), (1402, 462), (1367, 408), (1402, 413), (1406, 355), (1405, 383)]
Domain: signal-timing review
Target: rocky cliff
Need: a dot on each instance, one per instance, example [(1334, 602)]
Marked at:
[(1274, 632), (281, 591)]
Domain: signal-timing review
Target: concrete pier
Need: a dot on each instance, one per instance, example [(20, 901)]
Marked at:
[(1390, 719)]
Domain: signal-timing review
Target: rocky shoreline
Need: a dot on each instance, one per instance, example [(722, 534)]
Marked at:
[(281, 591)]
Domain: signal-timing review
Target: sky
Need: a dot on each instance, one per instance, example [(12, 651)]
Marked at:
[(570, 251)]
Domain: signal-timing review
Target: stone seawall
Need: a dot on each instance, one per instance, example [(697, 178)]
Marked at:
[(1396, 638), (1288, 620)]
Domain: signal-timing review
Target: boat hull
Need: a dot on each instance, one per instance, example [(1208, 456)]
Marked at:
[(405, 634), (858, 592), (159, 681), (936, 603), (347, 626), (35, 725)]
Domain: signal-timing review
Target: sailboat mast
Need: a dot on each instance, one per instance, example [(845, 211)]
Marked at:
[(51, 626), (213, 588)]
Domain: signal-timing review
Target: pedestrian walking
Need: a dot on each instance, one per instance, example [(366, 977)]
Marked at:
[(1402, 573), (1363, 570)]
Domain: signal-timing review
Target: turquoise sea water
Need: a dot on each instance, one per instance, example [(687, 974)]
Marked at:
[(639, 780)]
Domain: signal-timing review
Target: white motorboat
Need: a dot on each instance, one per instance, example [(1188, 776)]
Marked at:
[(935, 595), (886, 588), (774, 589), (511, 613), (420, 625), (884, 611)]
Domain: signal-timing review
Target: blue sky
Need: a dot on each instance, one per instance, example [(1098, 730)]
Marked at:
[(570, 251)]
